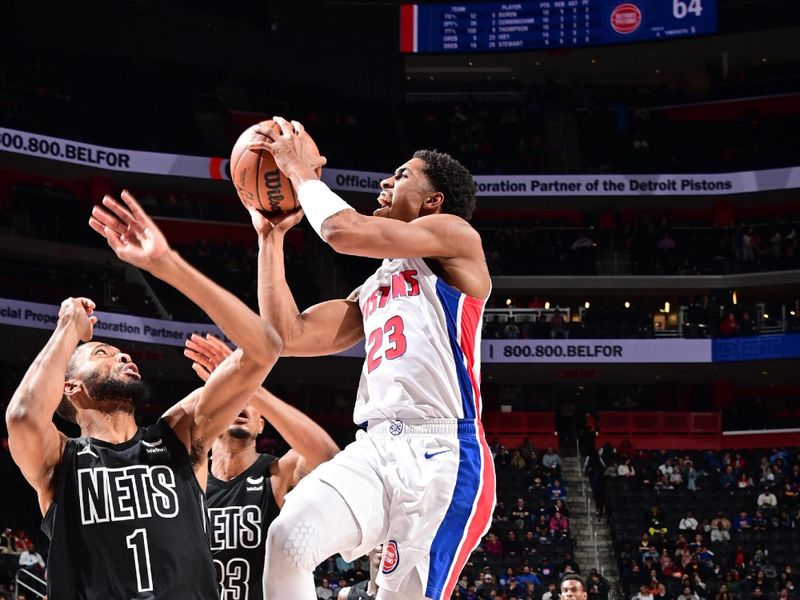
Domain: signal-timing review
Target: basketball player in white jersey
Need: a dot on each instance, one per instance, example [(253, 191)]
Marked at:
[(421, 481)]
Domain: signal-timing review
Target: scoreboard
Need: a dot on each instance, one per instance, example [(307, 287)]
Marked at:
[(490, 27)]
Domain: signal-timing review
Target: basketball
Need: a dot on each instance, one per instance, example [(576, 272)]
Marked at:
[(257, 179)]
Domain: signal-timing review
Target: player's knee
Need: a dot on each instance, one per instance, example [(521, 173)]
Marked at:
[(293, 539)]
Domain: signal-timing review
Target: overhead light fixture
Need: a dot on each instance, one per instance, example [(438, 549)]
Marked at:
[(547, 306), (666, 307), (627, 304), (586, 304)]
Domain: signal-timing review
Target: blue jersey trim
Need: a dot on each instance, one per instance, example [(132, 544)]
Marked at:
[(449, 298)]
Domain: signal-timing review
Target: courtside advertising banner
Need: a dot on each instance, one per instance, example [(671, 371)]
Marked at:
[(109, 325), (112, 159), (174, 333), (596, 351), (344, 180)]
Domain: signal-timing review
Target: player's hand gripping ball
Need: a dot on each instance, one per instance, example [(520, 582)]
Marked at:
[(258, 181)]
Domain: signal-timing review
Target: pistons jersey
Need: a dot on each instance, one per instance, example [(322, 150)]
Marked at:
[(128, 521), (240, 512), (422, 342)]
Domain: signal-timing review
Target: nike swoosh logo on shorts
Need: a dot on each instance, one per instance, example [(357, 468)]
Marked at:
[(430, 455)]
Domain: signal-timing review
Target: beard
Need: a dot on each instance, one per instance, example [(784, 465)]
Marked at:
[(239, 433), (110, 389)]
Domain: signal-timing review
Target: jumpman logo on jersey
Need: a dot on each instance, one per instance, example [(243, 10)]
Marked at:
[(88, 450)]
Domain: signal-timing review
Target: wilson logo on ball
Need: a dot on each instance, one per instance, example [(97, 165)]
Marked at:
[(626, 18), (272, 181), (391, 557)]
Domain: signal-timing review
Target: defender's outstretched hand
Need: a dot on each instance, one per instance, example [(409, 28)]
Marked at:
[(131, 233), (274, 224), (206, 353)]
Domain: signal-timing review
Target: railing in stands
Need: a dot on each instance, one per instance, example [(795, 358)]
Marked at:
[(30, 582)]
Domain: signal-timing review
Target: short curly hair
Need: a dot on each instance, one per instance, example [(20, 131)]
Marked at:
[(452, 179)]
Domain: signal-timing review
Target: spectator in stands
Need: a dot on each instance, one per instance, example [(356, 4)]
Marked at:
[(555, 490), (558, 326), (542, 530), (494, 328), (511, 331), (32, 561), (512, 547), (743, 521), (688, 594), (767, 501), (520, 514), (324, 591), (551, 593), (559, 525), (500, 513), (505, 577), (551, 462), (688, 523), (612, 470), (744, 482), (666, 468), (720, 534), (492, 546), (517, 460), (597, 586), (650, 554), (644, 593), (729, 326), (656, 522), (527, 576), (559, 506), (720, 519), (666, 563), (529, 548), (626, 469), (487, 588), (691, 476), (513, 589), (7, 542), (758, 522), (537, 488), (727, 480)]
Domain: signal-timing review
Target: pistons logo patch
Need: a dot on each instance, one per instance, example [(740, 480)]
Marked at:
[(391, 557)]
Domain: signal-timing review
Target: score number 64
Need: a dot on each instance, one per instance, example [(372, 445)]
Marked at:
[(680, 8)]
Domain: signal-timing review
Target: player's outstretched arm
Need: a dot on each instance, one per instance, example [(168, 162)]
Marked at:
[(136, 239), (35, 443), (202, 416), (310, 443), (323, 329)]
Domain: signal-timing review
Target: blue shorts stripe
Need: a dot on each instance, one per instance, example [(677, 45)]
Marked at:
[(444, 548)]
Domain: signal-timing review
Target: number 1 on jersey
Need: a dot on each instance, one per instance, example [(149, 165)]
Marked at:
[(137, 541), (393, 328)]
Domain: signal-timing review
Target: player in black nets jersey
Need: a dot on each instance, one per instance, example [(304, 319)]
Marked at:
[(246, 489), (123, 505)]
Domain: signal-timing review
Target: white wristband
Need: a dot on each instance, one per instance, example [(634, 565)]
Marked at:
[(319, 203)]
